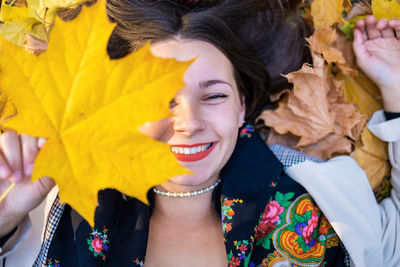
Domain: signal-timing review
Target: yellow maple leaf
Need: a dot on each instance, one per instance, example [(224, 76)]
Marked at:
[(373, 157), (90, 109), (7, 108), (386, 9), (326, 13)]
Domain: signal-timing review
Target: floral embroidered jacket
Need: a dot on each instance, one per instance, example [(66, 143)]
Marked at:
[(267, 219)]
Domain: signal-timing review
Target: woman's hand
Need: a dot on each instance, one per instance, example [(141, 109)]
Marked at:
[(377, 48), (17, 156)]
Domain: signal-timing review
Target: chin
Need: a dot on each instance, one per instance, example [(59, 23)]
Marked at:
[(191, 180)]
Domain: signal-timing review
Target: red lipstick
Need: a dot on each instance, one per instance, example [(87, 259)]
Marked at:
[(195, 152)]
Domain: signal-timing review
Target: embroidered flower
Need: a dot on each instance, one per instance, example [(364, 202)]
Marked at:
[(50, 263), (138, 262), (269, 219), (247, 131), (272, 211), (299, 228), (311, 225), (243, 247), (234, 262), (228, 202), (264, 229), (227, 227), (97, 245), (227, 212), (98, 242)]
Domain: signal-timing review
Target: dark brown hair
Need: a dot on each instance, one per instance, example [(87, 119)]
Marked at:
[(261, 38)]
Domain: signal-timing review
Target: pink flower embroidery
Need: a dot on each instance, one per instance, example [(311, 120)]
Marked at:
[(311, 225), (268, 219), (271, 212), (97, 245)]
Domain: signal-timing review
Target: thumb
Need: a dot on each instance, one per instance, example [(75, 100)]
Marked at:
[(44, 185)]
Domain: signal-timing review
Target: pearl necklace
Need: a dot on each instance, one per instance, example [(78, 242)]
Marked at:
[(187, 194)]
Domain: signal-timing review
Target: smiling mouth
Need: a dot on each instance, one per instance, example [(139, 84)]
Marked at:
[(192, 152)]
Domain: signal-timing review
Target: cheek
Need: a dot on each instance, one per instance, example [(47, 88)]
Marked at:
[(226, 123)]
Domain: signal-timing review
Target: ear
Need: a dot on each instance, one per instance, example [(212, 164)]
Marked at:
[(242, 112)]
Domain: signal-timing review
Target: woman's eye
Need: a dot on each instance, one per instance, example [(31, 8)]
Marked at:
[(215, 97), (172, 104)]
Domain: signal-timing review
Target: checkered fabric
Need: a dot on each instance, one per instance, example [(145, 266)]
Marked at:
[(52, 221), (347, 256), (289, 157)]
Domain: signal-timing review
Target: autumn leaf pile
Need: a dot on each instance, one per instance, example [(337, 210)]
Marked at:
[(326, 112), (90, 109)]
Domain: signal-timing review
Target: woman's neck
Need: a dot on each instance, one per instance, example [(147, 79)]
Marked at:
[(194, 209)]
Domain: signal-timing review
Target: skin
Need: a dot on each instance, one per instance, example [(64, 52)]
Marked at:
[(173, 220), (378, 55)]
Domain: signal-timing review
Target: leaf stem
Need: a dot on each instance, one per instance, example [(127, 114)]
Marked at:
[(3, 196)]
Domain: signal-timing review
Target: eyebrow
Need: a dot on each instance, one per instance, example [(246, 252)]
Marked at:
[(205, 84)]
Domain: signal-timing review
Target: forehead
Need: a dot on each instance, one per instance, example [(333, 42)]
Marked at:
[(210, 63)]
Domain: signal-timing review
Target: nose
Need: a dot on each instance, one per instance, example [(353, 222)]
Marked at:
[(188, 119)]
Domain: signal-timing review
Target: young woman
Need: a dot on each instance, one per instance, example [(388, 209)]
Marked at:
[(274, 208)]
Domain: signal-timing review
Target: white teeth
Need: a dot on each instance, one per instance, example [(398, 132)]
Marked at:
[(190, 150)]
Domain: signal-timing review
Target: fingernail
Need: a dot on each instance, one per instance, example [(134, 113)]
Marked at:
[(29, 169), (4, 172), (17, 175)]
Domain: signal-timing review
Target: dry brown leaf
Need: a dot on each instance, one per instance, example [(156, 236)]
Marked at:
[(359, 9), (328, 147), (287, 140), (20, 3), (331, 145), (316, 112), (34, 45), (323, 42), (346, 47)]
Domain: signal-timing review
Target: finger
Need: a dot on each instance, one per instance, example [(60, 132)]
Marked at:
[(372, 30), (11, 146), (360, 25), (29, 152), (5, 170), (358, 46), (40, 142), (386, 31), (44, 185), (395, 24), (381, 24)]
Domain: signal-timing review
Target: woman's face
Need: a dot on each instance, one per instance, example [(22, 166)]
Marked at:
[(208, 111)]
